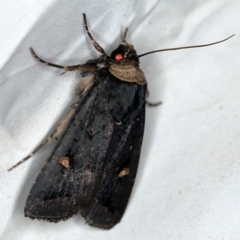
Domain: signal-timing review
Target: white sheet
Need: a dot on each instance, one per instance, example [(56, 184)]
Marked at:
[(188, 183)]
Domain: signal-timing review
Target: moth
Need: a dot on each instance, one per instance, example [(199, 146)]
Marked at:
[(93, 167)]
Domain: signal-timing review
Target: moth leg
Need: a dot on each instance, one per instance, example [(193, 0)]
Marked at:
[(43, 61), (60, 127), (95, 44), (153, 104), (80, 67), (149, 103)]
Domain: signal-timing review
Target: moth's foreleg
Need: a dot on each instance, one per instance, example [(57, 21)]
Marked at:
[(44, 62), (80, 67), (59, 129)]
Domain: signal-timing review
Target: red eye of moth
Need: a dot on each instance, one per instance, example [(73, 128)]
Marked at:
[(118, 56)]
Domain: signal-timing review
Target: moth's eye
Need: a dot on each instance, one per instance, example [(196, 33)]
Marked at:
[(117, 55)]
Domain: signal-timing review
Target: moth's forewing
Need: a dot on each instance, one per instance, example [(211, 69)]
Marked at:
[(59, 192), (109, 202), (104, 136)]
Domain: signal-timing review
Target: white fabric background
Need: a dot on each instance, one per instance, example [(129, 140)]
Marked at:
[(188, 183)]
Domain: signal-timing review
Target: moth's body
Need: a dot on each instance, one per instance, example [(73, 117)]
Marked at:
[(94, 165), (103, 137)]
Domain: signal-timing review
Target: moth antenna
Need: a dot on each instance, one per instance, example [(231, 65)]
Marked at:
[(179, 48), (124, 35), (95, 44)]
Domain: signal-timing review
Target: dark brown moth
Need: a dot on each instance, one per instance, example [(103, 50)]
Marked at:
[(93, 167)]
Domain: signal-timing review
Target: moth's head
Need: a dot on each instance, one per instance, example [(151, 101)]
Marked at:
[(124, 63), (125, 51)]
